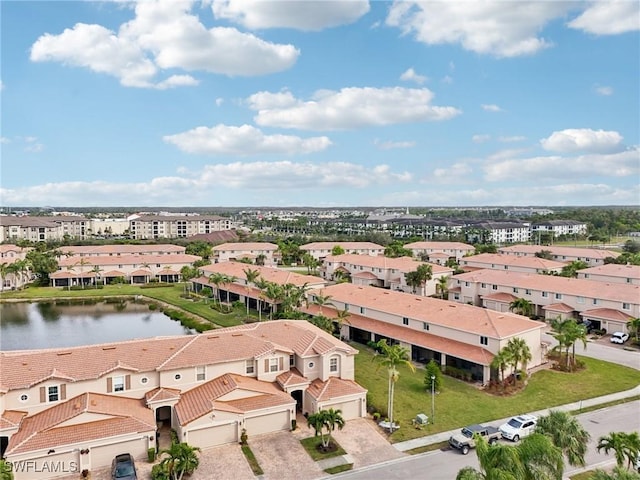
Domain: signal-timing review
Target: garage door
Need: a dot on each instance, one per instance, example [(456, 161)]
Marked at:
[(102, 457), (273, 422), (212, 436), (43, 468), (350, 410)]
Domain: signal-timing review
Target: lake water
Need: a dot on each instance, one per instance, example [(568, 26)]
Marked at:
[(49, 325)]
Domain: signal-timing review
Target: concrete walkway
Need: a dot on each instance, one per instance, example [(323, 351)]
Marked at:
[(576, 406)]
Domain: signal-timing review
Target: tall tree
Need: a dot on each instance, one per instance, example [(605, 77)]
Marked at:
[(6, 472), (321, 300), (337, 250), (521, 306), (520, 353), (250, 277), (391, 357), (566, 433), (217, 279), (626, 446), (633, 326), (419, 277), (180, 459), (501, 361), (327, 420), (442, 286)]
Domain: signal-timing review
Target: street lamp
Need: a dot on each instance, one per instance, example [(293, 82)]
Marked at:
[(433, 399)]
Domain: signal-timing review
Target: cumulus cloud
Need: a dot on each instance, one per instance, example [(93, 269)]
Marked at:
[(604, 90), (187, 187), (481, 138), (163, 35), (583, 140), (243, 140), (410, 75), (609, 18), (455, 173), (489, 27), (491, 108), (308, 16), (621, 164), (4, 140), (511, 139), (348, 108), (389, 145)]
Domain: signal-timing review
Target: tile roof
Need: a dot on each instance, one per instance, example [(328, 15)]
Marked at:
[(481, 321), (344, 245), (105, 260), (512, 261), (441, 246), (333, 388), (614, 270), (561, 251), (243, 247), (500, 297), (403, 264), (275, 275), (161, 394), (559, 307), (607, 314), (291, 377), (11, 419), (550, 283), (121, 416), (365, 275), (127, 249)]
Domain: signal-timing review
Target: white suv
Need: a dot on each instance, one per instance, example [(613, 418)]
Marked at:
[(619, 337), (518, 427)]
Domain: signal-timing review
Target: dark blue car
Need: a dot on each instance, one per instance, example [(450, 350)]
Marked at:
[(123, 468)]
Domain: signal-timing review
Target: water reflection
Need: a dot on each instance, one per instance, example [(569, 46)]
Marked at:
[(48, 311)]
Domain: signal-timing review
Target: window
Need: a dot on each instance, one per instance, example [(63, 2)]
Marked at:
[(311, 364), (53, 393), (200, 373), (425, 326), (484, 341), (527, 291), (456, 296), (362, 310), (558, 296), (515, 289), (595, 301), (118, 384), (177, 376), (249, 367), (494, 287), (506, 267), (483, 285), (144, 380), (24, 397), (292, 360), (466, 284), (545, 294), (273, 364), (405, 321), (628, 280), (333, 364), (626, 306), (580, 300)]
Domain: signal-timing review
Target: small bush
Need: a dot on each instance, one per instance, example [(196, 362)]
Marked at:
[(376, 416), (160, 472), (244, 437), (151, 454)]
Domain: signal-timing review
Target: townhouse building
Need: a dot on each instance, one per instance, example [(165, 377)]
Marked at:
[(319, 250), (612, 273), (512, 263), (132, 268), (173, 226), (440, 252), (591, 256), (79, 407), (12, 278), (608, 305), (121, 250), (558, 228), (380, 271), (455, 335), (261, 253)]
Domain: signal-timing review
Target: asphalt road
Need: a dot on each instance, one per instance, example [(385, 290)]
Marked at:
[(444, 465)]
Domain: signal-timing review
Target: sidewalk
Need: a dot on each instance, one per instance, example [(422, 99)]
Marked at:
[(576, 406)]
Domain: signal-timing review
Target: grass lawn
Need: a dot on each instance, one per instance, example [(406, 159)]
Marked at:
[(460, 404), (310, 444), (170, 294), (251, 459), (339, 469)]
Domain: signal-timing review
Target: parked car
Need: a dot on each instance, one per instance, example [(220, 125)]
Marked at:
[(619, 337), (588, 325), (123, 468), (464, 440), (518, 427), (638, 463)]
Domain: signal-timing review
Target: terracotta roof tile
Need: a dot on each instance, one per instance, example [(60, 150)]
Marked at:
[(275, 275), (607, 314), (161, 394), (511, 261), (562, 251), (243, 247), (106, 260), (441, 246), (291, 377), (128, 249), (403, 264), (500, 297), (614, 270), (345, 245), (333, 388), (559, 307), (11, 419)]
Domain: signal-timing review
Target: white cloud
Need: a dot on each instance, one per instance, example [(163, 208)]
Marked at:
[(456, 173), (163, 35), (410, 75), (511, 139), (4, 140), (622, 164), (583, 140), (219, 101), (489, 27), (447, 79), (609, 17), (309, 16), (347, 109), (243, 140), (1, 85), (34, 148), (506, 154), (491, 108), (604, 90), (389, 145), (481, 138)]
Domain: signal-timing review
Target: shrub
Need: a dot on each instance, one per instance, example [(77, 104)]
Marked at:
[(151, 454), (153, 306), (160, 472), (376, 416), (244, 437), (294, 424)]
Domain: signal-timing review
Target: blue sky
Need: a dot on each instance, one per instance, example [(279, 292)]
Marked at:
[(320, 103)]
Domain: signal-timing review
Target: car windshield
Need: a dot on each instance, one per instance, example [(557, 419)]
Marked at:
[(467, 433), (514, 423), (124, 470)]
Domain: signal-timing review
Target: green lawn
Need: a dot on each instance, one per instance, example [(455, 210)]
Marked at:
[(170, 294), (461, 404), (311, 444)]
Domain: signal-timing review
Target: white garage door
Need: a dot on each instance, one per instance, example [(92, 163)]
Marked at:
[(274, 422), (43, 468), (102, 457), (350, 410), (212, 436)]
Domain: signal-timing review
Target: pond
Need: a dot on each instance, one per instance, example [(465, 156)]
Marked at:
[(60, 324)]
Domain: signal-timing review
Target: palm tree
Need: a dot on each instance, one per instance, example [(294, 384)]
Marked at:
[(273, 292), (250, 276), (566, 433), (96, 269), (626, 446), (334, 420), (442, 286), (342, 317), (633, 326), (501, 361), (519, 352), (392, 356), (618, 473), (320, 300), (227, 280), (180, 459), (326, 419), (567, 332), (217, 279), (262, 285), (521, 306), (260, 259), (4, 271), (419, 277)]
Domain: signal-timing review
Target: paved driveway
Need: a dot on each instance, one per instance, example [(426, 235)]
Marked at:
[(282, 457)]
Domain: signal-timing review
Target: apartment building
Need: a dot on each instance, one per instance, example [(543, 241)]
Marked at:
[(81, 406), (612, 273), (498, 232), (34, 229), (261, 253), (558, 228), (169, 226), (121, 250), (380, 271), (608, 305), (591, 256), (12, 278), (440, 252), (512, 263), (461, 336), (319, 250)]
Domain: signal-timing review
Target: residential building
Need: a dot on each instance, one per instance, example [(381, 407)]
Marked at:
[(440, 252), (34, 229), (608, 305), (108, 226), (612, 273), (261, 253), (319, 250), (498, 232), (168, 226), (591, 256), (558, 228), (380, 271), (121, 250), (10, 277), (460, 336), (512, 263), (81, 406)]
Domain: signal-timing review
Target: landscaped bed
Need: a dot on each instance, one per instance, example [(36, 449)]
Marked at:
[(312, 446)]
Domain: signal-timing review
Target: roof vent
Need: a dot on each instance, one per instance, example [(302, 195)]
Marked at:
[(63, 353), (108, 348), (93, 402), (236, 334), (213, 336), (225, 381), (452, 306)]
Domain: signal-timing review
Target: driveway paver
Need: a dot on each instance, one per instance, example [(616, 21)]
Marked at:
[(282, 457)]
